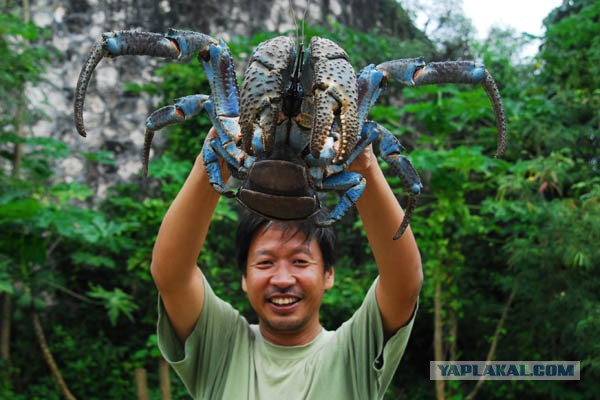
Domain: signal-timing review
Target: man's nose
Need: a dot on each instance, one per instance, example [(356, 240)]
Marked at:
[(283, 276)]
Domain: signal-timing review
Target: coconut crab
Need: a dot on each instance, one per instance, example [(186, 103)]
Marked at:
[(298, 122)]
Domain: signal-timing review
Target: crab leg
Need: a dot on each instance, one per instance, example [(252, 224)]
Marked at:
[(415, 72), (353, 183), (213, 169), (226, 145), (176, 44), (184, 109), (390, 150), (370, 83), (114, 44), (222, 106)]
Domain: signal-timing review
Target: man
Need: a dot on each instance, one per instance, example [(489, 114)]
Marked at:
[(287, 355)]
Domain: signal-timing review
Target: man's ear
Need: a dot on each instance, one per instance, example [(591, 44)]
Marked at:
[(244, 287), (329, 278)]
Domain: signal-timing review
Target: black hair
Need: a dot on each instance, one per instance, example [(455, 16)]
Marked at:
[(251, 223)]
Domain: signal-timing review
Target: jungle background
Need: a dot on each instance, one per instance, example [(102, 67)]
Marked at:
[(509, 245)]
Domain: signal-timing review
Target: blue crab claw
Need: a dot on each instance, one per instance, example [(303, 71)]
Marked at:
[(415, 72), (335, 101)]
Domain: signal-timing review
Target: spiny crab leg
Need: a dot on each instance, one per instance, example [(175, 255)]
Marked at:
[(176, 44), (415, 72), (390, 149), (184, 109), (113, 44)]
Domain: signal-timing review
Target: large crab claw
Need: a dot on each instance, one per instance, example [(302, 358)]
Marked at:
[(415, 72), (335, 101)]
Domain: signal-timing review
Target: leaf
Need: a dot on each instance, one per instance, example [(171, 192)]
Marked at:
[(104, 157), (6, 286), (65, 192), (48, 147), (94, 260), (6, 283), (167, 168), (116, 302), (19, 210)]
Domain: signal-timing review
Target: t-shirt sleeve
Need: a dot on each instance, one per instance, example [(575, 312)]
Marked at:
[(371, 359), (202, 361)]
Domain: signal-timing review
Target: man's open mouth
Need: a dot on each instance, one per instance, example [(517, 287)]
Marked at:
[(284, 301)]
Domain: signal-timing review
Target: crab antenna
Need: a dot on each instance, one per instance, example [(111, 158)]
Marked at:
[(304, 18), (299, 60), (293, 12)]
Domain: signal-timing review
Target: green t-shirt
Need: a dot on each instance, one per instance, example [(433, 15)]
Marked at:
[(226, 358)]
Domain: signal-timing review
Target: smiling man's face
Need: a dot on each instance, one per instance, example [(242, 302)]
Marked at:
[(285, 282)]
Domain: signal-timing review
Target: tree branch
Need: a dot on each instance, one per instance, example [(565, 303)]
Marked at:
[(494, 344), (41, 338)]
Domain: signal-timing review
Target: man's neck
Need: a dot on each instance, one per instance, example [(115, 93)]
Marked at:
[(294, 338)]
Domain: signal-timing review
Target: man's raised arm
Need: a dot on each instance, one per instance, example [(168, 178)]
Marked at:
[(180, 239), (398, 261)]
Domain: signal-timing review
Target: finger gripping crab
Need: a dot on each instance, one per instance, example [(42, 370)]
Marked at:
[(298, 121)]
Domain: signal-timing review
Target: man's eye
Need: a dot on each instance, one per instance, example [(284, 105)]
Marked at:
[(301, 262), (264, 263)]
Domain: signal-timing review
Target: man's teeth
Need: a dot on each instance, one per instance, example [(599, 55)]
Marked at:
[(283, 301)]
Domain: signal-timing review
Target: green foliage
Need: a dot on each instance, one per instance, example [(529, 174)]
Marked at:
[(485, 226), (56, 244), (351, 284), (115, 301), (571, 50), (20, 62), (372, 47)]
